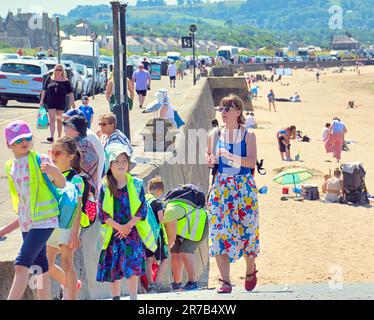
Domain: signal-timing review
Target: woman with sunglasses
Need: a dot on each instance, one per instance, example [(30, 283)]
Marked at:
[(234, 218), (35, 205), (108, 132), (55, 92)]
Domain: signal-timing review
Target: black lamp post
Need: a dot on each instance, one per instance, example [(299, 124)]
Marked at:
[(193, 29)]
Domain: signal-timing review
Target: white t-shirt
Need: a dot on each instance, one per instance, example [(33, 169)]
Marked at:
[(99, 149), (20, 173), (172, 70), (325, 133), (250, 122)]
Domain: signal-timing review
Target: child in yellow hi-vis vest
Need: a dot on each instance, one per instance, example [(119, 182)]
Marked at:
[(120, 207), (36, 208)]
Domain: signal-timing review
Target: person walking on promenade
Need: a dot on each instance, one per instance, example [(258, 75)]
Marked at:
[(142, 79), (35, 205), (271, 99), (172, 73), (109, 92), (67, 158), (234, 211), (334, 142), (121, 205), (76, 127), (56, 90)]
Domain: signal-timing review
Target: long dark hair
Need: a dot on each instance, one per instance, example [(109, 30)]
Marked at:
[(112, 184), (71, 147)]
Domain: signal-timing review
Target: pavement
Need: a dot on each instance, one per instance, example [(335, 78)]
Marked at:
[(319, 291), (27, 112)]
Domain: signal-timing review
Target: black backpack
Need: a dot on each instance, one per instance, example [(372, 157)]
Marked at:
[(189, 193)]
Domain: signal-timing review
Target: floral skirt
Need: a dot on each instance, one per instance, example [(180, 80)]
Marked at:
[(234, 217)]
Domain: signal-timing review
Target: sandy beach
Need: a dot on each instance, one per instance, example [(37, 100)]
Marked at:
[(310, 241)]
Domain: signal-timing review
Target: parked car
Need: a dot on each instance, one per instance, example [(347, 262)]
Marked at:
[(27, 58), (22, 80), (7, 56), (87, 79), (72, 74)]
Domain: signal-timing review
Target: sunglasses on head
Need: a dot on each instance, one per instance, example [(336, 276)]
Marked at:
[(19, 141)]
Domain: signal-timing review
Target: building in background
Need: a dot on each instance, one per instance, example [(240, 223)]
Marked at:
[(28, 30)]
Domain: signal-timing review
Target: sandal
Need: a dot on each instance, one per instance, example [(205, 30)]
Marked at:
[(249, 285), (225, 288)]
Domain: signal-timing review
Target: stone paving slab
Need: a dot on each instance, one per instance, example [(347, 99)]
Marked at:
[(320, 291)]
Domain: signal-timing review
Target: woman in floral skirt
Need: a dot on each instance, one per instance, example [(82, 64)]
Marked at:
[(234, 215)]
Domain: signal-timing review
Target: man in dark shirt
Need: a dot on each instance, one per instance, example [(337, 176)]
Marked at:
[(146, 64)]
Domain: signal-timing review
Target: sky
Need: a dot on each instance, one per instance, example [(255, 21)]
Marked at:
[(53, 6)]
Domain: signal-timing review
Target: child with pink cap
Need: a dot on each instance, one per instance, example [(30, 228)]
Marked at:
[(36, 208)]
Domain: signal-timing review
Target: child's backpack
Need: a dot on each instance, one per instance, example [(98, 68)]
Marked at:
[(89, 206), (67, 199), (42, 121), (151, 217), (187, 193)]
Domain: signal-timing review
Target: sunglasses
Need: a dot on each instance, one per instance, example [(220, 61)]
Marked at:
[(55, 153), (59, 70), (224, 109), (103, 124), (19, 141)]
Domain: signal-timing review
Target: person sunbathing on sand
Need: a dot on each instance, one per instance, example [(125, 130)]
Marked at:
[(333, 186)]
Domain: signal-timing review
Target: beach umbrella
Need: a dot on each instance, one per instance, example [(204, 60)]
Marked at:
[(293, 176)]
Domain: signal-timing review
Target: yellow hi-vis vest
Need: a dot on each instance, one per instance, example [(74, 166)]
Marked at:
[(142, 226), (43, 205), (192, 225), (149, 197)]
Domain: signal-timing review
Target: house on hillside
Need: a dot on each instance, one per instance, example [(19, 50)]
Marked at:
[(344, 42), (29, 30)]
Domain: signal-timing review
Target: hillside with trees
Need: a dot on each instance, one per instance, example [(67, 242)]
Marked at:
[(250, 23)]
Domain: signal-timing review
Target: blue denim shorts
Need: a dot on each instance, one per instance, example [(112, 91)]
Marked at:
[(33, 251)]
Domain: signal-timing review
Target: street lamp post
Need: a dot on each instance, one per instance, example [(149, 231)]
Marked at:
[(58, 39), (125, 107), (120, 108), (193, 29), (93, 38)]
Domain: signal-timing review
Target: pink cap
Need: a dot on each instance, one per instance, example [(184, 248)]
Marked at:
[(16, 130)]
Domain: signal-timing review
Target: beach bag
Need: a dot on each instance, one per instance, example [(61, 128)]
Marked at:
[(187, 193), (89, 205), (42, 120), (67, 200), (178, 120)]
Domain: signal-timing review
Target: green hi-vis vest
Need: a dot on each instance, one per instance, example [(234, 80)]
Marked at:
[(191, 226), (150, 197), (134, 187), (43, 205)]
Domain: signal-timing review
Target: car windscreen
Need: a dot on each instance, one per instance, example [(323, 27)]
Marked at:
[(20, 68), (50, 66)]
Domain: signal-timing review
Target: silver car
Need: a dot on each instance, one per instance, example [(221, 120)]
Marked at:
[(87, 79), (22, 80)]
